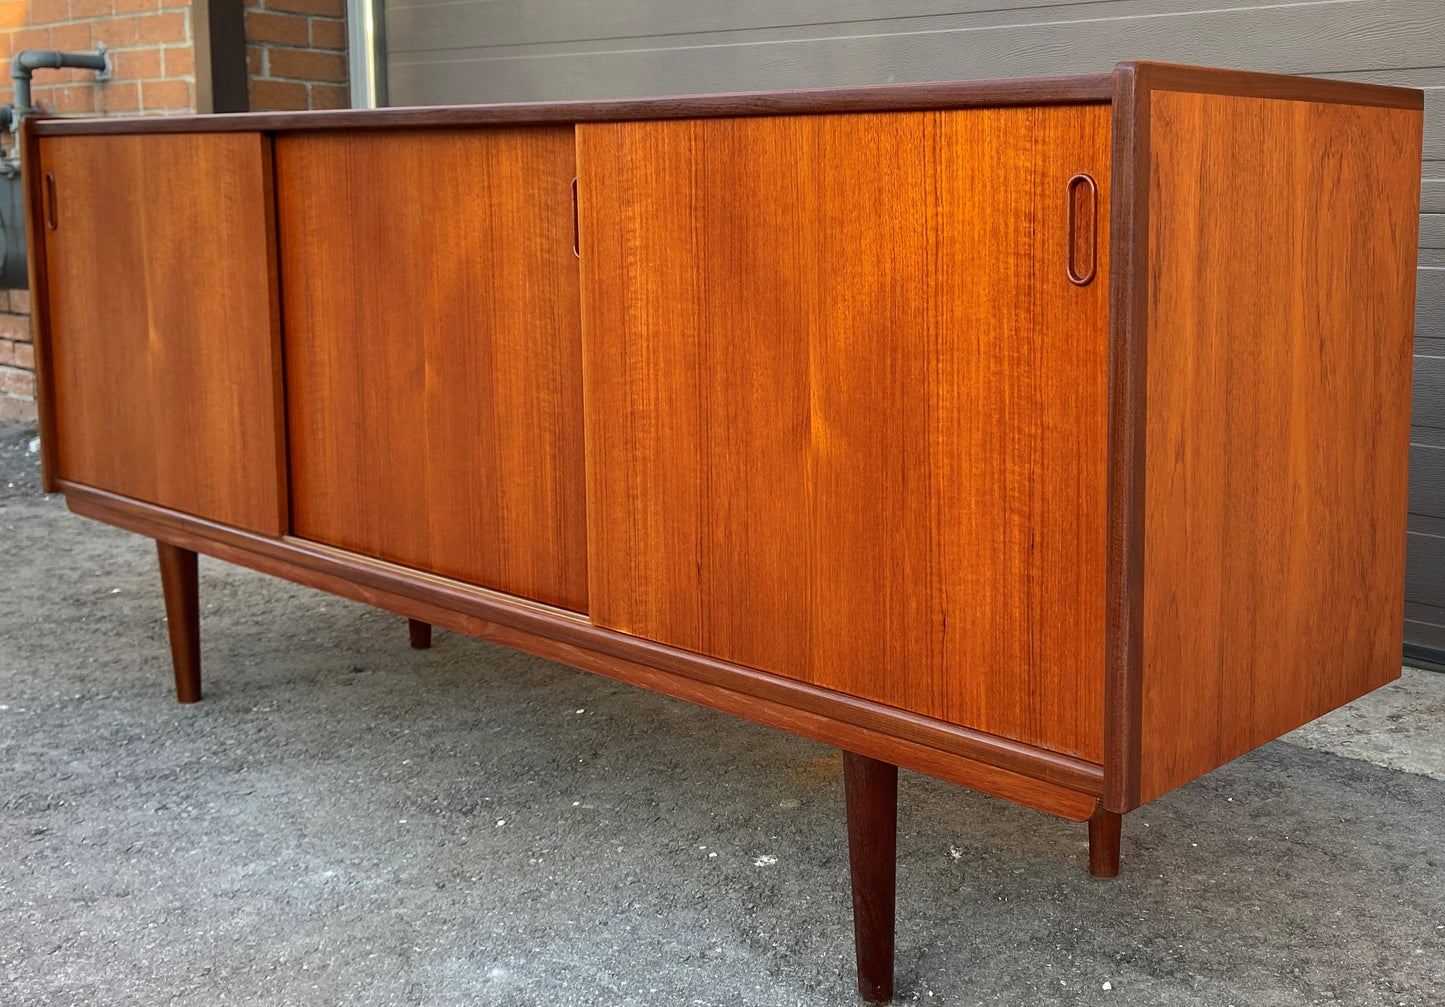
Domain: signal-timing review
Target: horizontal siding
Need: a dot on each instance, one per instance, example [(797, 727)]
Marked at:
[(1430, 304), (1429, 398), (1425, 566), (431, 63), (1427, 472), (458, 51), (1432, 190)]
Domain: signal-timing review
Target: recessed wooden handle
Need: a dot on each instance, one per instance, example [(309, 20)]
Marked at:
[(1083, 228), (50, 200), (576, 233)]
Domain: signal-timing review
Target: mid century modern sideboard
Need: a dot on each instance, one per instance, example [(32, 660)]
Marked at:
[(1047, 436)]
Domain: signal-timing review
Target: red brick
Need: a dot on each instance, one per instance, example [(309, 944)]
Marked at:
[(136, 64), (70, 37), (330, 96), (30, 38), (328, 34), (326, 8), (253, 61), (288, 29), (74, 99), (118, 96), (24, 355), (20, 301), (89, 8), (136, 6), (167, 27), (299, 64), (15, 327), (48, 11), (16, 409), (12, 15), (180, 61), (17, 382), (165, 95), (277, 95), (114, 31), (7, 351)]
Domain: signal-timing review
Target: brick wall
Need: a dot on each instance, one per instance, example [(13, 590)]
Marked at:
[(151, 44), (295, 56), (17, 357)]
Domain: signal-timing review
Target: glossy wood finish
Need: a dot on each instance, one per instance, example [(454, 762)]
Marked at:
[(846, 412), (1104, 829), (1033, 777), (33, 180), (871, 791), (180, 586), (161, 353), (1280, 271), (1073, 89), (420, 633), (1128, 308), (433, 360)]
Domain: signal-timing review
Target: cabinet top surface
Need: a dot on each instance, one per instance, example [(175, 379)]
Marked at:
[(1078, 89)]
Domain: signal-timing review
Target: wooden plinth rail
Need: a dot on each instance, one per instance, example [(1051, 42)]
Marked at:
[(1044, 780)]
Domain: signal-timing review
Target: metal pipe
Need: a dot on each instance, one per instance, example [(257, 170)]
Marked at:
[(366, 26), (28, 61)]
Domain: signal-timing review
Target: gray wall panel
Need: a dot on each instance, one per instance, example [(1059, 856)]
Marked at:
[(1424, 566), (1429, 399), (1337, 36), (1430, 304), (1432, 230), (1432, 191), (1427, 472)]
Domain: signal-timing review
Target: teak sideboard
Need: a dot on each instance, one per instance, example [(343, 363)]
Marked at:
[(1047, 436)]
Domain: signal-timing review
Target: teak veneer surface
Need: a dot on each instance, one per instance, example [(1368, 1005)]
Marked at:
[(161, 335), (433, 354), (1281, 270), (846, 412)]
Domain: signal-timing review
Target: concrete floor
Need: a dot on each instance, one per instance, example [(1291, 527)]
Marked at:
[(346, 821)]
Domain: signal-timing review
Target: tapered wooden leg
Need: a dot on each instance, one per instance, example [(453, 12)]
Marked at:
[(183, 618), (871, 789), (1104, 844), (420, 634)]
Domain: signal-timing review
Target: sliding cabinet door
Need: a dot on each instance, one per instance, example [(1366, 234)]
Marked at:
[(164, 362), (433, 360), (846, 408)]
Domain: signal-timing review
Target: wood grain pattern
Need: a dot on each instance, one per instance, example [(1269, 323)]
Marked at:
[(870, 790), (433, 357), (180, 586), (33, 178), (874, 98), (1281, 269), (846, 412), (162, 346), (1038, 779), (1128, 308)]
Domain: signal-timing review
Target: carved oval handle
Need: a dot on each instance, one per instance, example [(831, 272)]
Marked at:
[(1083, 228), (50, 220)]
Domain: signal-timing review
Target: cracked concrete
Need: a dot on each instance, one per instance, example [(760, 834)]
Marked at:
[(346, 821)]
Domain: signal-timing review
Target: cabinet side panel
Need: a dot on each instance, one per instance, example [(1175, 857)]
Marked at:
[(163, 345), (847, 413), (1281, 270), (433, 354)]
